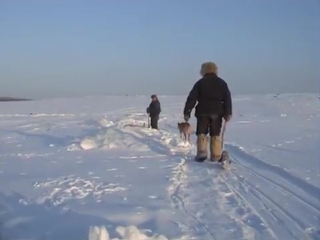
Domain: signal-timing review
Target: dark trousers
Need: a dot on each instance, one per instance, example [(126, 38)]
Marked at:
[(154, 121), (209, 124)]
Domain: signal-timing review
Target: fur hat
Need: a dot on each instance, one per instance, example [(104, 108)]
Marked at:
[(208, 67)]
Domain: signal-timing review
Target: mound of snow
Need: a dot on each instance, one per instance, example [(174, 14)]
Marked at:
[(132, 122), (103, 122), (106, 138), (106, 123), (127, 233), (109, 138), (176, 142), (88, 143)]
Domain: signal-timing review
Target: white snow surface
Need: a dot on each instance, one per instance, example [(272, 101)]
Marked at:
[(89, 169)]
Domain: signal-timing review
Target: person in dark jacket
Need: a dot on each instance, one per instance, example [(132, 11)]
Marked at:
[(154, 110), (213, 98)]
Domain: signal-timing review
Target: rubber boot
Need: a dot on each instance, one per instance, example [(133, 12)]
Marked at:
[(215, 149), (202, 145)]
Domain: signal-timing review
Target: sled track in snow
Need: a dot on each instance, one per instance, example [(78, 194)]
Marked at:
[(266, 201), (179, 173), (287, 190), (302, 186), (179, 203), (214, 209), (200, 202), (219, 204), (291, 211), (251, 212)]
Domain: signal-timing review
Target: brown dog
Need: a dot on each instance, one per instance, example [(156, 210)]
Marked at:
[(185, 129)]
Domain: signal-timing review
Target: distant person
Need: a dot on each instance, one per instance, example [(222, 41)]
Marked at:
[(213, 98), (154, 110)]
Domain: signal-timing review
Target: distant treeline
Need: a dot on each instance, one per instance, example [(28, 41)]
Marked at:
[(10, 99)]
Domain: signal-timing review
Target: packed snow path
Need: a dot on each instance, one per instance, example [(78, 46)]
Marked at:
[(86, 171)]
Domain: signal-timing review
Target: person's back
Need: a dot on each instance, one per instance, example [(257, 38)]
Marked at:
[(213, 99), (212, 96)]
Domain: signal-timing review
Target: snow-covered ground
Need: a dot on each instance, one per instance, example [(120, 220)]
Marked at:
[(74, 169)]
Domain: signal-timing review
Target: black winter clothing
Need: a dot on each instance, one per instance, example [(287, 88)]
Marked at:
[(213, 97), (209, 125), (154, 108), (154, 122)]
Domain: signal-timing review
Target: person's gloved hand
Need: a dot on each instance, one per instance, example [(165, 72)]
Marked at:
[(186, 118), (227, 118)]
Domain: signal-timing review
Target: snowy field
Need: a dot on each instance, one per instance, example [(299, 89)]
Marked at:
[(73, 169)]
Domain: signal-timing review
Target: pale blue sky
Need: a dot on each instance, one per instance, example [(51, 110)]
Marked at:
[(57, 48)]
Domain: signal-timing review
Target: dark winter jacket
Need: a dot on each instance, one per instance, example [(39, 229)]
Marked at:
[(213, 97), (154, 108)]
